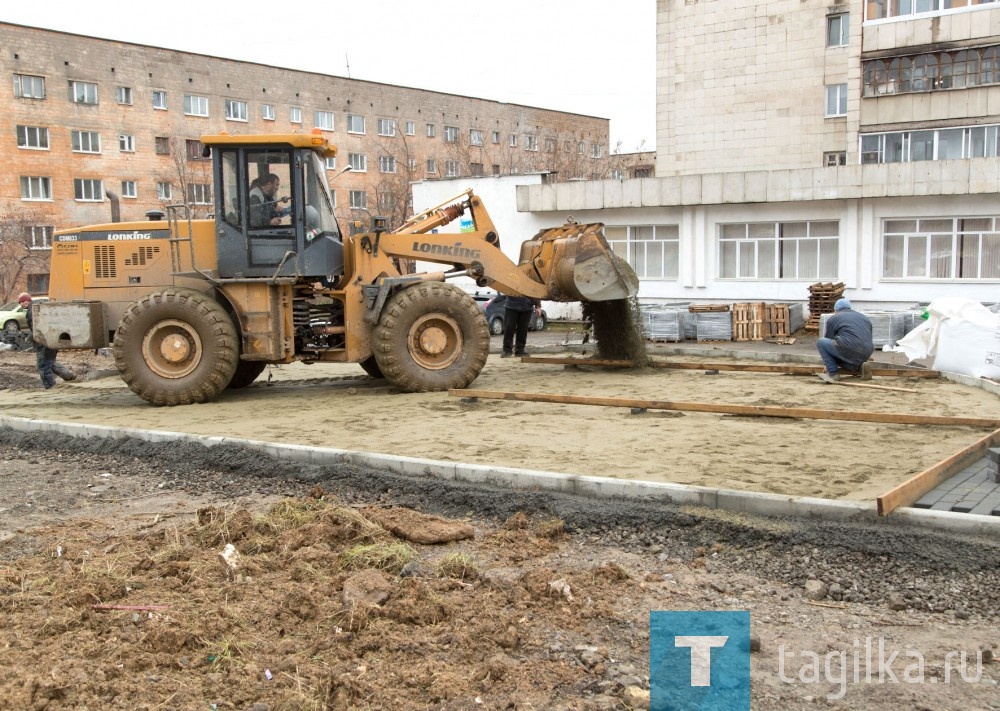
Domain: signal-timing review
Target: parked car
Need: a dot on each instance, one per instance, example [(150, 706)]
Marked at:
[(494, 309), (14, 318)]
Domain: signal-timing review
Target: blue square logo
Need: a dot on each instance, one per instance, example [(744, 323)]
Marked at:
[(699, 660)]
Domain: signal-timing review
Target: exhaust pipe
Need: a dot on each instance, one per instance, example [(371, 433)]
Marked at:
[(116, 213)]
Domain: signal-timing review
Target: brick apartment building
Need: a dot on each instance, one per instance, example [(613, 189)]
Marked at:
[(87, 116)]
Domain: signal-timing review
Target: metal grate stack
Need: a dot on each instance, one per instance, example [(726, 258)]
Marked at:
[(714, 325), (663, 323)]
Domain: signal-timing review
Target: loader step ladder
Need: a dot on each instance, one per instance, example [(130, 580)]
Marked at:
[(176, 257)]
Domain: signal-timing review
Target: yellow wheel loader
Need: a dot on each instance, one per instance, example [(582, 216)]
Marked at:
[(194, 306)]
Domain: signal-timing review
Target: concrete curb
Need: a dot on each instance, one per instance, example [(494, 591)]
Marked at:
[(596, 487)]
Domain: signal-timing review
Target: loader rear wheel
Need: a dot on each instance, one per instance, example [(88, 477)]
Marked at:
[(247, 371), (370, 366), (431, 336), (176, 347)]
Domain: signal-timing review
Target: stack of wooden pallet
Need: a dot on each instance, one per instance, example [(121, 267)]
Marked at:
[(758, 321), (822, 297)]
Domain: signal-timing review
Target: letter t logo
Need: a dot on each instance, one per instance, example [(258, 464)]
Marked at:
[(701, 656)]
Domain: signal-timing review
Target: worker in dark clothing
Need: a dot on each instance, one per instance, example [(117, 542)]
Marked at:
[(516, 318), (847, 345), (45, 358)]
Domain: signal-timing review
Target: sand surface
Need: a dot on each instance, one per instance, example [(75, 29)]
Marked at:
[(338, 406)]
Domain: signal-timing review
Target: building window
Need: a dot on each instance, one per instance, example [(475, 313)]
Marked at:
[(643, 173), (476, 137), (451, 169), (386, 164), (123, 95), (550, 145), (531, 143), (323, 120), (85, 141), (126, 143), (512, 141), (451, 134), (29, 87), (88, 190), (358, 162), (432, 166), (411, 128), (355, 123), (476, 170), (838, 30), (162, 145), (496, 169), (359, 200), (34, 137), (386, 127), (495, 137), (596, 150), (83, 92), (385, 202), (930, 144), (880, 9), (331, 163), (129, 189), (194, 149), (836, 100), (236, 110), (834, 158), (779, 250), (411, 164), (164, 191), (941, 248), (617, 174), (431, 130), (36, 188), (159, 100), (581, 147), (931, 71), (195, 105), (41, 236), (295, 114), (653, 251), (199, 193), (267, 112)]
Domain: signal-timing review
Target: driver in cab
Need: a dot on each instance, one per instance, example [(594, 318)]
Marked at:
[(264, 210)]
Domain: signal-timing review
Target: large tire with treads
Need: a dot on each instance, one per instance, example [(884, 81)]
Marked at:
[(370, 366), (431, 336), (247, 371), (176, 347)]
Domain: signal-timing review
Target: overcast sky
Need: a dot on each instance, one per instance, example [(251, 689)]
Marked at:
[(590, 57)]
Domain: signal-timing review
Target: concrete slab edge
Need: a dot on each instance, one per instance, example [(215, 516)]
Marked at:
[(749, 502)]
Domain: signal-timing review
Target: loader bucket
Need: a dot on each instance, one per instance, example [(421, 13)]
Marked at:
[(576, 263)]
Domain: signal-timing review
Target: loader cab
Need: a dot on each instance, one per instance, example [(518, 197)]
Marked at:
[(273, 210)]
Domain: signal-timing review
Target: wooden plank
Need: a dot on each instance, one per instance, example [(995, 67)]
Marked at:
[(876, 387), (919, 484), (897, 418), (783, 368)]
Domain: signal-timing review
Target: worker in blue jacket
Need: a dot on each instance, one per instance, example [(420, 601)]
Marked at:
[(847, 344)]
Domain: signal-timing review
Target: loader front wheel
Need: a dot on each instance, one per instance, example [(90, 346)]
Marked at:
[(431, 336), (370, 366), (176, 347)]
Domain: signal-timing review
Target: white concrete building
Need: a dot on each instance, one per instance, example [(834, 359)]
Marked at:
[(803, 141)]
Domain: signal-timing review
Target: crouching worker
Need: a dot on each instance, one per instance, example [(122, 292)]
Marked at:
[(45, 358), (847, 345)]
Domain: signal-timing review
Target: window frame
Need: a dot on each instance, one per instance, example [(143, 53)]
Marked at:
[(162, 145), (267, 112), (46, 232), (82, 187), (358, 200), (638, 244), (324, 120), (130, 189), (196, 105), (126, 143), (771, 245), (35, 82), (387, 127), (837, 93), (358, 162), (387, 164), (123, 96), (41, 135), (158, 98), (199, 194), (78, 144), (451, 134), (838, 30), (29, 188), (939, 248), (295, 114), (83, 92), (164, 190), (356, 124), (237, 110)]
